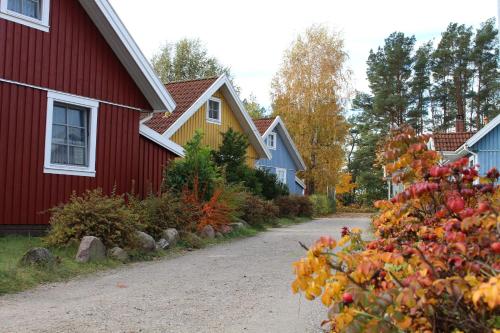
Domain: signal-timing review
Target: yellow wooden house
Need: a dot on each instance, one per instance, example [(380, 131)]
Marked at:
[(210, 105)]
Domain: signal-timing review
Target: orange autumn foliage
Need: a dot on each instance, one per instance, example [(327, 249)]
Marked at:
[(435, 262)]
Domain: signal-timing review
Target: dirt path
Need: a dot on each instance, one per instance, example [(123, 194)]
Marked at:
[(242, 286)]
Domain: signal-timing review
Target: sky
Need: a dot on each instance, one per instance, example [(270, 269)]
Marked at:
[(251, 36)]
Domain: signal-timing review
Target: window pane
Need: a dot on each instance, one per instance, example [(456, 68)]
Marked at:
[(59, 114), (59, 154), (14, 5), (76, 117), (76, 136), (213, 110), (77, 156), (30, 8), (59, 134)]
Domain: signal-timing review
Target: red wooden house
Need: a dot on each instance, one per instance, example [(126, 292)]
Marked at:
[(73, 88)]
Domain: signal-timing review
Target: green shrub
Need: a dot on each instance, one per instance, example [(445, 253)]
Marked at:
[(157, 213), (93, 214), (305, 206), (321, 204), (287, 206), (196, 169), (257, 211), (271, 187)]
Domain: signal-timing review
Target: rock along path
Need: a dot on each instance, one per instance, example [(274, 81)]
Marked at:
[(241, 286)]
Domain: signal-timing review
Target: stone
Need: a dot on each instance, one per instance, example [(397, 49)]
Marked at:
[(118, 253), (218, 235), (191, 240), (38, 256), (162, 244), (225, 229), (207, 232), (91, 249), (146, 242), (242, 222), (237, 225), (171, 235)]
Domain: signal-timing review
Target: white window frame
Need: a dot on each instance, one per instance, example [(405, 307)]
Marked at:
[(212, 120), (273, 146), (284, 175), (40, 24), (73, 170)]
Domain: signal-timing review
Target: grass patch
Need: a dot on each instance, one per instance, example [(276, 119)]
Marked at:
[(15, 278)]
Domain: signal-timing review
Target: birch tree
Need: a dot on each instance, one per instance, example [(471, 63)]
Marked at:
[(308, 93)]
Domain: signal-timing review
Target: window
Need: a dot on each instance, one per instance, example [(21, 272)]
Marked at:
[(281, 175), (271, 140), (214, 110), (70, 140), (33, 13)]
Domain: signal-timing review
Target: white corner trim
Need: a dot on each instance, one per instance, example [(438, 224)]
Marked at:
[(212, 120), (222, 80), (42, 24), (124, 38), (482, 132), (161, 140), (296, 154), (93, 106)]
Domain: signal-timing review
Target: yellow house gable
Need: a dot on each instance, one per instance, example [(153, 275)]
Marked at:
[(211, 131)]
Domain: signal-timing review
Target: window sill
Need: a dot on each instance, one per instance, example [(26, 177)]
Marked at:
[(24, 20), (69, 171), (213, 121)]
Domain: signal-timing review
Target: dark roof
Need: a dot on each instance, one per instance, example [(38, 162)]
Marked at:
[(184, 93), (263, 124), (450, 141)]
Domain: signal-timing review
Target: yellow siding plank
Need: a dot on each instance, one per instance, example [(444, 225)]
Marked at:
[(212, 132)]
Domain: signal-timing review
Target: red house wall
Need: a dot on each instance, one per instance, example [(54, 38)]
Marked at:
[(73, 57)]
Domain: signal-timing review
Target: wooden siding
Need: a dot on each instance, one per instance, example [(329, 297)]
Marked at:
[(72, 57), (153, 159), (488, 151), (281, 159), (124, 161), (212, 132)]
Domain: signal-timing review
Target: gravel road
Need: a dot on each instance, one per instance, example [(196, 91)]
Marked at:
[(241, 286)]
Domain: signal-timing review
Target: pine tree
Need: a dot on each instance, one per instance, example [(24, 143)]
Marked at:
[(420, 87)]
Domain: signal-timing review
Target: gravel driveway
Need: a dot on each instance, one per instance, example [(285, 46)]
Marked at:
[(241, 286)]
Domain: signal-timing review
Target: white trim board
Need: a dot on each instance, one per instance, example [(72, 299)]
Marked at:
[(482, 132), (299, 162), (161, 140), (235, 104), (119, 39)]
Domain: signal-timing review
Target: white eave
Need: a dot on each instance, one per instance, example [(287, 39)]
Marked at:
[(119, 39), (297, 158), (300, 182)]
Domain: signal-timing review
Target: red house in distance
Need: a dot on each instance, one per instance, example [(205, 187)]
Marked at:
[(73, 88)]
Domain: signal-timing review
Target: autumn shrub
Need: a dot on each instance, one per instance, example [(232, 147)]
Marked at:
[(93, 214), (304, 205), (287, 206), (257, 211), (167, 210), (434, 263), (321, 204)]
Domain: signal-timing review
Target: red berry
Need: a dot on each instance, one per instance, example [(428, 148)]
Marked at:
[(495, 247), (483, 207), (347, 298)]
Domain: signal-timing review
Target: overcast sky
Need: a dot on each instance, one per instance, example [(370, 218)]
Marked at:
[(251, 36)]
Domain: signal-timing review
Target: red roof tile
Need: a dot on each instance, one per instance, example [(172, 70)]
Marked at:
[(263, 124), (184, 93), (450, 141)]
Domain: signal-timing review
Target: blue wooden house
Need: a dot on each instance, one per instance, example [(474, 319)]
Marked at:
[(285, 161), (482, 147)]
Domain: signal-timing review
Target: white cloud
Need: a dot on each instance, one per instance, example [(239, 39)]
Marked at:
[(251, 36)]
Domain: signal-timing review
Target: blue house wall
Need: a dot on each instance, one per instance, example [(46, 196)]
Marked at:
[(281, 159), (488, 151)]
